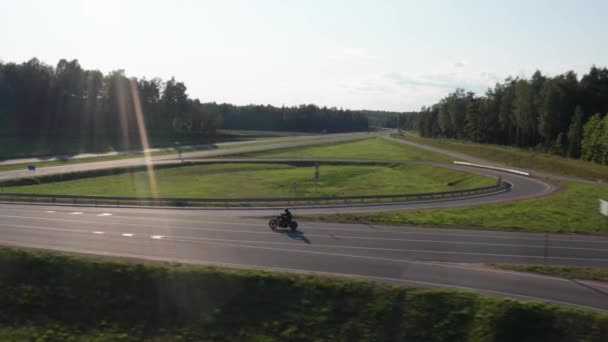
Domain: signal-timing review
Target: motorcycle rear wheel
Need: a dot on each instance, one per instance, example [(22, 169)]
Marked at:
[(273, 224)]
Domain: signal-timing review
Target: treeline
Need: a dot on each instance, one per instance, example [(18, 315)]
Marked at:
[(382, 119), (71, 105), (303, 118), (68, 103), (561, 115)]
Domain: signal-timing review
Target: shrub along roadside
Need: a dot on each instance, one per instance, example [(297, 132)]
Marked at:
[(61, 297)]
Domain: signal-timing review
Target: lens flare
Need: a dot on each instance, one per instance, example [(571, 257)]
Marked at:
[(143, 136)]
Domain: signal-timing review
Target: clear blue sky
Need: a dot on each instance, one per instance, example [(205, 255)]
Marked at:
[(395, 55)]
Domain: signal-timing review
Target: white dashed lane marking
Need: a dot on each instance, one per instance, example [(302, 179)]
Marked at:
[(50, 211), (157, 237), (97, 232), (104, 214), (127, 234), (76, 213)]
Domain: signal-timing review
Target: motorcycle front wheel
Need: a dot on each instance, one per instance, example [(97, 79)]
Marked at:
[(293, 225)]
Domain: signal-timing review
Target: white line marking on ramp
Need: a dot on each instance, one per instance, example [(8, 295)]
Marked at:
[(157, 237), (104, 214), (76, 213), (98, 232), (127, 234)]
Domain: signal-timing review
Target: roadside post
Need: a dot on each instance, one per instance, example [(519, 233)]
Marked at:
[(32, 169), (179, 150), (294, 188), (317, 171), (546, 249), (604, 211)]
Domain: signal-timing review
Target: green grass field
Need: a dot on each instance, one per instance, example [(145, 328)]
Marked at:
[(572, 210), (267, 180), (374, 148), (569, 272), (528, 159), (49, 297)]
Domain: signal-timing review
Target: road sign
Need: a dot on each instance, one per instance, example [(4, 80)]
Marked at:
[(604, 207)]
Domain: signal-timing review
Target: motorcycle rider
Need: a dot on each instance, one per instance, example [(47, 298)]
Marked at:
[(286, 216)]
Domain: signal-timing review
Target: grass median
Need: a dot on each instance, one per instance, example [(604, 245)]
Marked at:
[(265, 180), (524, 158), (52, 297), (572, 210), (374, 148)]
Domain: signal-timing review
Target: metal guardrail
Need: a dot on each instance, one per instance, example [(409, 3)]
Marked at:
[(490, 167), (199, 202)]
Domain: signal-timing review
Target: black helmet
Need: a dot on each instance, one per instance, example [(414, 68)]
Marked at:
[(286, 210)]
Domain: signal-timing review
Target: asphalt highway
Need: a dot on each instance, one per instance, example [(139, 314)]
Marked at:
[(281, 143), (407, 255), (240, 238)]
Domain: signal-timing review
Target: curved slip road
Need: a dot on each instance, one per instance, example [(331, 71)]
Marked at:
[(522, 187), (408, 255), (468, 158)]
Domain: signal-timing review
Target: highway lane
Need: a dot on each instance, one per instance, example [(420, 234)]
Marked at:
[(421, 257), (280, 137), (292, 142)]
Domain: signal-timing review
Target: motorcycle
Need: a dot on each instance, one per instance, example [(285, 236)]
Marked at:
[(281, 222)]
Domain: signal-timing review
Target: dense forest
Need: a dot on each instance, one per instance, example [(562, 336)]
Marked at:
[(303, 118), (85, 107), (562, 115), (69, 105)]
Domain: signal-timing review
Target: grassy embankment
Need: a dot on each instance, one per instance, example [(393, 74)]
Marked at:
[(524, 158), (49, 297), (572, 210), (264, 180), (569, 272)]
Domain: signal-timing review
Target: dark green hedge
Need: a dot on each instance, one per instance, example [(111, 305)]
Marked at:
[(85, 295)]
